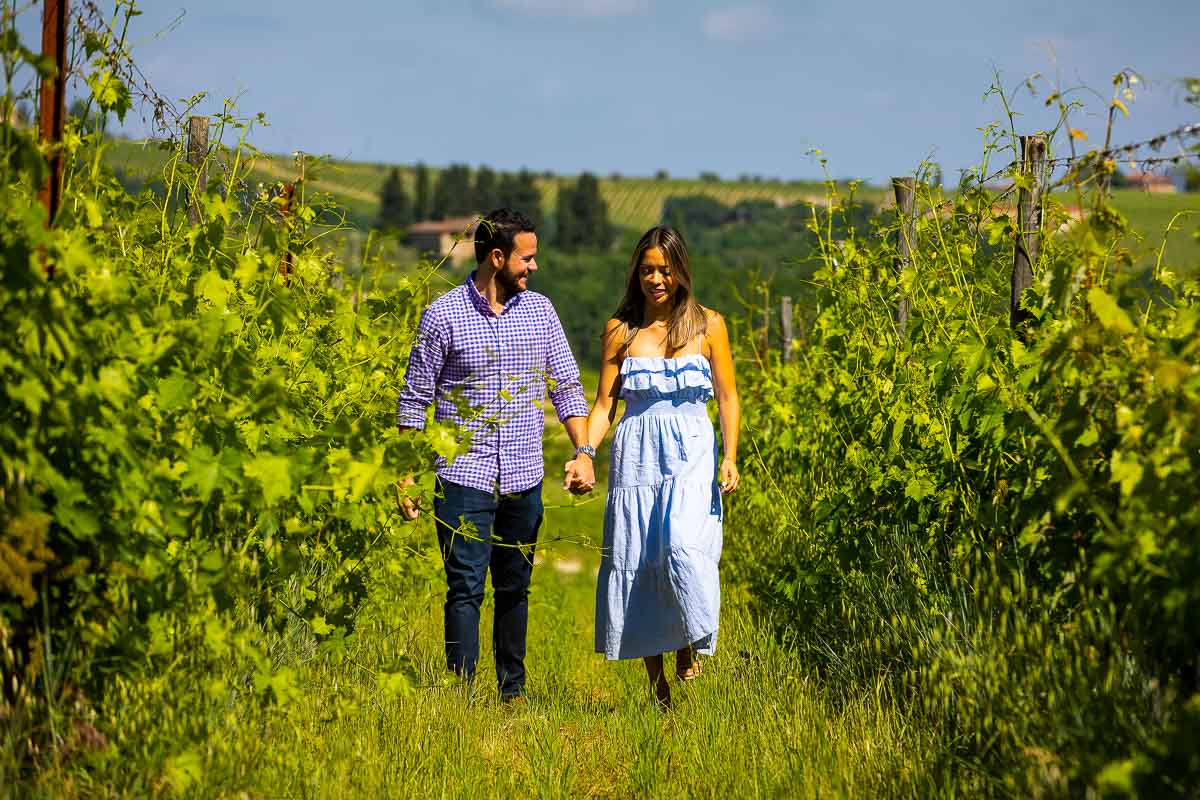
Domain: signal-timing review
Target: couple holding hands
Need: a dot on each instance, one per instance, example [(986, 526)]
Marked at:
[(486, 355)]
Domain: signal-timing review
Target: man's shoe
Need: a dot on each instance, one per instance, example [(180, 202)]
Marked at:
[(514, 701)]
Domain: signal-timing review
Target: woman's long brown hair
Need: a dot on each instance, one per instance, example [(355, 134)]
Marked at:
[(687, 317)]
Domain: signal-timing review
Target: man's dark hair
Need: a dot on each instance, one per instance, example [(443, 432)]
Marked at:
[(497, 230)]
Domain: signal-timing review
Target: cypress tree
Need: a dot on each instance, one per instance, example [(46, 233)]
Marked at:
[(521, 193), (584, 214), (452, 196), (487, 191), (566, 228), (422, 200), (395, 212)]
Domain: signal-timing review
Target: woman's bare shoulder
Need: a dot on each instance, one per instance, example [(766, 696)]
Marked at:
[(613, 338), (713, 319)]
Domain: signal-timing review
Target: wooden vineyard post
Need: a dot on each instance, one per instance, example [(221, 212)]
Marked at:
[(1029, 225), (766, 326), (52, 108), (903, 188), (197, 156), (785, 328), (353, 252), (285, 263)]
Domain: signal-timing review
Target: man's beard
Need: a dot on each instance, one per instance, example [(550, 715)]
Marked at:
[(509, 282)]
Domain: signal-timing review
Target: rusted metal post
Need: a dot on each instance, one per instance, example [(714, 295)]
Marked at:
[(52, 102), (903, 188), (197, 156), (785, 328), (1029, 224)]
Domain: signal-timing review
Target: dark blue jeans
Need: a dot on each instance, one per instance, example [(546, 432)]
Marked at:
[(505, 532)]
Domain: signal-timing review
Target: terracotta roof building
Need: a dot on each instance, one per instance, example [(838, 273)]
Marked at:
[(454, 237), (1149, 182)]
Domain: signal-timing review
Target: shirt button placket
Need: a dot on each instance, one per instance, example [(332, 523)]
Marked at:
[(496, 322)]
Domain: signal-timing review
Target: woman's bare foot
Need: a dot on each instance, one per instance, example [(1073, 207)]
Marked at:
[(658, 680), (687, 665)]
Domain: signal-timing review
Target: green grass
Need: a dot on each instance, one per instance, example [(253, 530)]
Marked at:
[(753, 726), (1151, 214), (756, 724)]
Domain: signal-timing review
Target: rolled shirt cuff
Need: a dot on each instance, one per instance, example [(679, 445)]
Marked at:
[(410, 416), (569, 402)]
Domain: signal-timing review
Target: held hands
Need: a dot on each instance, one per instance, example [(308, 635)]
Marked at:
[(410, 507), (730, 479), (579, 476)]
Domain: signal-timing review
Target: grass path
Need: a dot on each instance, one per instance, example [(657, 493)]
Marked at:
[(751, 728), (754, 725)]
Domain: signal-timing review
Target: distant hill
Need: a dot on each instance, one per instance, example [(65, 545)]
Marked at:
[(633, 202), (636, 203)]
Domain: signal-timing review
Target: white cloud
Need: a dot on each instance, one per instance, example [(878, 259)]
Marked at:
[(742, 23), (575, 8)]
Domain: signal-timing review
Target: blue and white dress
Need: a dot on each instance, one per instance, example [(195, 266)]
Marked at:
[(658, 588)]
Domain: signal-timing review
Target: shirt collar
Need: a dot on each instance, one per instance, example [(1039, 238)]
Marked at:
[(480, 302)]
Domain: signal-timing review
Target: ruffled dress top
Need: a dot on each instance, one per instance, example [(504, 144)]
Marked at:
[(658, 588)]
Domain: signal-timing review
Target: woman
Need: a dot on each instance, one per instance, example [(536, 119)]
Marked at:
[(665, 355)]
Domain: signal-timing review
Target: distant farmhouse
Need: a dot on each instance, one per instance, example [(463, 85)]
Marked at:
[(438, 238), (1149, 182)]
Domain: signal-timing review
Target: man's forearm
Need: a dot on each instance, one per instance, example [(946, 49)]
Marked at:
[(576, 428)]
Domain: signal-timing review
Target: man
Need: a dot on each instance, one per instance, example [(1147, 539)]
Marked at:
[(486, 353)]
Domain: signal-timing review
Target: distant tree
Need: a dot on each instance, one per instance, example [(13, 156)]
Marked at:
[(662, 175), (710, 177), (395, 211), (506, 189), (487, 191), (1191, 179), (89, 121), (1093, 172), (520, 192), (530, 197), (565, 234), (614, 176), (695, 211), (751, 210), (421, 196), (595, 208), (452, 196), (582, 216)]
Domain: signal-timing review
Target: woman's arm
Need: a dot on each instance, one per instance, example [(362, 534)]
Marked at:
[(605, 408), (728, 406)]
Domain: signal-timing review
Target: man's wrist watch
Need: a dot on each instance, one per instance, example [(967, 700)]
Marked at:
[(586, 449)]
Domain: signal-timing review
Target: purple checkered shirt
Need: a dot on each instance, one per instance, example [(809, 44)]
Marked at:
[(488, 374)]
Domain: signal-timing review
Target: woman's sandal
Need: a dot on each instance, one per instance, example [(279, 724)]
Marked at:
[(692, 671)]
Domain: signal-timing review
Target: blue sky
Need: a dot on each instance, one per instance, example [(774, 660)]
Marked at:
[(639, 85)]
